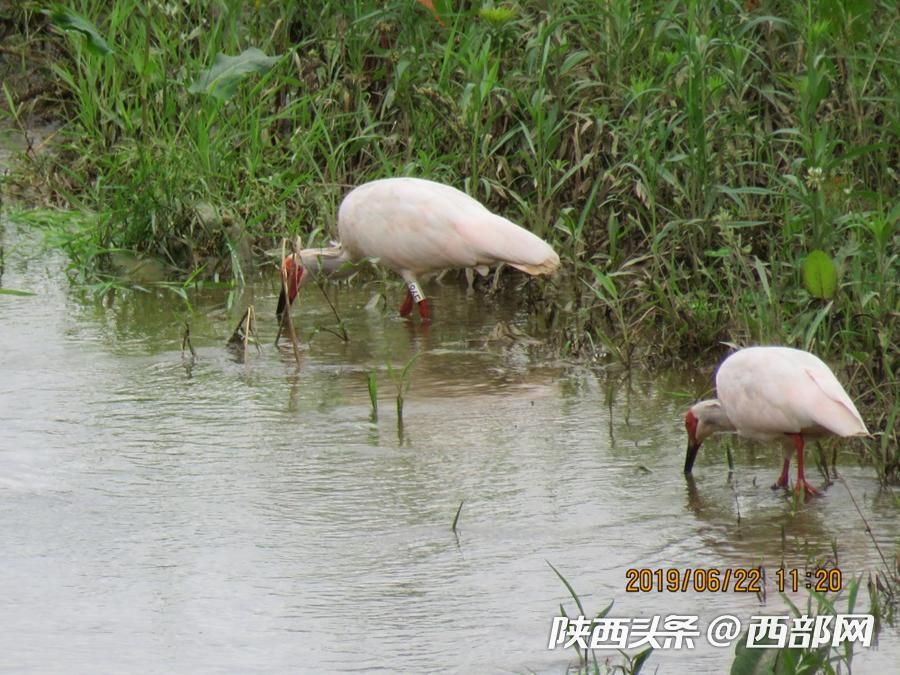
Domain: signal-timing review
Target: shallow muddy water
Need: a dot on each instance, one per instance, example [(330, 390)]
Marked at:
[(217, 516)]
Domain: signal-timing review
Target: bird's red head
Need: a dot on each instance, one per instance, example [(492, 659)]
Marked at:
[(690, 424), (291, 278)]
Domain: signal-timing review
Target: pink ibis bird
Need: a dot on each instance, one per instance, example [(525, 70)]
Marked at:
[(418, 227), (768, 393)]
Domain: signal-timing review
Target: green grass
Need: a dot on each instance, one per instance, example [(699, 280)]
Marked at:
[(402, 380), (826, 659), (588, 663), (684, 158)]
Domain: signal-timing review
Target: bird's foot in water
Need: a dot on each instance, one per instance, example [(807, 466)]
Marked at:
[(782, 481), (803, 485)]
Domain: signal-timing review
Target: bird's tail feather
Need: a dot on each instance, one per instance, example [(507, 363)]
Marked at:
[(548, 266)]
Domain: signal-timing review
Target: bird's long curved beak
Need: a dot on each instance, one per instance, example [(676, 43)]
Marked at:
[(693, 447), (282, 303)]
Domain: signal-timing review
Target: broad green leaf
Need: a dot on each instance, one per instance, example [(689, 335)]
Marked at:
[(819, 275), (67, 20), (226, 73)]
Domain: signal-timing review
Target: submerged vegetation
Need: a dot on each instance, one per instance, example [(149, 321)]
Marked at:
[(708, 172)]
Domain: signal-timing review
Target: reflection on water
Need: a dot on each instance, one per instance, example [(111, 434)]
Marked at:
[(227, 516)]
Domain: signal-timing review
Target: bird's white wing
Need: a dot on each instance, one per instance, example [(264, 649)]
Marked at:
[(494, 238), (770, 391), (405, 224), (755, 401), (422, 226), (836, 411), (480, 237)]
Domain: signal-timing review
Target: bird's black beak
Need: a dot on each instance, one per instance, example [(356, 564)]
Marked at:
[(693, 447), (282, 303)]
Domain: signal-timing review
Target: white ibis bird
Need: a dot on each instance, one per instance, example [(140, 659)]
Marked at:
[(768, 393), (416, 227)]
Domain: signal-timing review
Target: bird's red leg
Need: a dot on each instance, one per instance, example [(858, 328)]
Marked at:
[(424, 310), (407, 306), (802, 484), (783, 478)]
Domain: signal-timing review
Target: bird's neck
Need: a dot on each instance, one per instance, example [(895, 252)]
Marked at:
[(712, 414), (332, 262)]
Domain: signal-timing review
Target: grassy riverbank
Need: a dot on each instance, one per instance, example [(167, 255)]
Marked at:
[(684, 158)]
